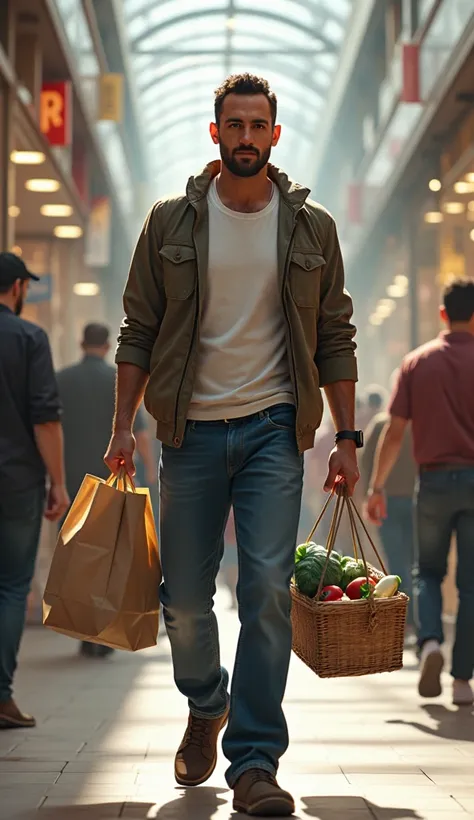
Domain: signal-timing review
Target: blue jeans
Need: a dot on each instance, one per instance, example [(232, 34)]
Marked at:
[(397, 534), (445, 505), (254, 464), (20, 525)]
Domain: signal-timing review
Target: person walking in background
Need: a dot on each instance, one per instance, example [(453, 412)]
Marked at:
[(87, 391), (31, 447), (230, 286), (373, 402), (397, 529), (435, 391)]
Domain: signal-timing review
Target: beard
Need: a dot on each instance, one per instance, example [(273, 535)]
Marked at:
[(19, 304), (244, 166)]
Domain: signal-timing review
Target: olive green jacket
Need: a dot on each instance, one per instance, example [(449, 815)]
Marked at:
[(166, 288)]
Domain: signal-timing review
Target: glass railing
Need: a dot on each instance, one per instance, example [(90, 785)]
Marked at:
[(87, 65), (449, 24)]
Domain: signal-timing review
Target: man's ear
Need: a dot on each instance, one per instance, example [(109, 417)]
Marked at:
[(276, 135), (214, 132)]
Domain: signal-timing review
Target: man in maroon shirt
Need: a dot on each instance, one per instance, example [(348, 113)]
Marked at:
[(435, 392)]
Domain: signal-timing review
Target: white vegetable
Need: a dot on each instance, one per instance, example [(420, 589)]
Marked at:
[(387, 587)]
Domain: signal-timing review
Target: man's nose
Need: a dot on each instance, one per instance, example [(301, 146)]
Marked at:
[(246, 138)]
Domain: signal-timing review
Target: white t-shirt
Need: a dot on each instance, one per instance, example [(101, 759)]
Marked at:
[(242, 356)]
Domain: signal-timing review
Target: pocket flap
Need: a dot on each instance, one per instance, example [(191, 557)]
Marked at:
[(308, 261), (178, 253)]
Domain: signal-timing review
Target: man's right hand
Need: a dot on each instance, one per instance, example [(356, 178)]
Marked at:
[(120, 452)]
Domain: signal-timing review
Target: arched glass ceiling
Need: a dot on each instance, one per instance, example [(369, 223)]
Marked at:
[(182, 50)]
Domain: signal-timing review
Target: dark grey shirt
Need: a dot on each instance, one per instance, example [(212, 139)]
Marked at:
[(87, 391), (28, 396)]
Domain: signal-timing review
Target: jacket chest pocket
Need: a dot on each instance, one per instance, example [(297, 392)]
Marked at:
[(305, 278), (179, 270)]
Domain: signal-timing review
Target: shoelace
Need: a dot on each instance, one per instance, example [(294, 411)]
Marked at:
[(261, 774), (198, 731)]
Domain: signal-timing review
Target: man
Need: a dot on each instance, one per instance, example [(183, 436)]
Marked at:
[(31, 445), (435, 391), (397, 529), (87, 392), (229, 289)]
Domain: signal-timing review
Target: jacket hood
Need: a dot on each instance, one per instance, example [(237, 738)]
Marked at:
[(291, 191)]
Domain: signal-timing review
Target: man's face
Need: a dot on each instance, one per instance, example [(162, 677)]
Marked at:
[(20, 289), (245, 133)]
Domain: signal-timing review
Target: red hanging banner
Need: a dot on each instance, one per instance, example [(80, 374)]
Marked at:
[(56, 113)]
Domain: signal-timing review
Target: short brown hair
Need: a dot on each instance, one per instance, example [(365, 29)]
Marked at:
[(244, 84)]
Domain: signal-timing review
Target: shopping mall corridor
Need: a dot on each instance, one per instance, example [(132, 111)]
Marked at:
[(107, 731)]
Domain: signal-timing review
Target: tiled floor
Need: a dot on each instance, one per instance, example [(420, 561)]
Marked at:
[(361, 749)]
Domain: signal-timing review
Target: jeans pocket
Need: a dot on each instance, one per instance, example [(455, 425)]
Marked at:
[(281, 417)]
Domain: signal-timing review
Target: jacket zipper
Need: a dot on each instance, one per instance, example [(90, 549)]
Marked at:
[(185, 369), (288, 324)]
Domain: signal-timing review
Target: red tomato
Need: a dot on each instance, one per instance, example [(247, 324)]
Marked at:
[(358, 588), (331, 593)]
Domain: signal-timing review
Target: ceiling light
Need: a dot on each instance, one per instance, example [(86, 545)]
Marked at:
[(434, 185), (470, 205), (86, 289), (395, 292), (67, 231), (469, 177), (56, 210), (46, 186), (402, 281), (385, 308), (16, 249), (463, 187), (27, 157), (454, 207), (230, 23), (433, 217), (14, 211), (471, 235), (375, 320)]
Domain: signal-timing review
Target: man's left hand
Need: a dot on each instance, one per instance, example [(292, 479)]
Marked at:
[(343, 468)]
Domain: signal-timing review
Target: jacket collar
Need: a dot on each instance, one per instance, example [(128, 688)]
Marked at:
[(293, 193)]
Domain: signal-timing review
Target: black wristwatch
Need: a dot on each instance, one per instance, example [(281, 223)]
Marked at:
[(351, 435)]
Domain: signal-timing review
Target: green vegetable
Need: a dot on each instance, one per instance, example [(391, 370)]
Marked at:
[(387, 587), (304, 549), (352, 570), (346, 559), (309, 569)]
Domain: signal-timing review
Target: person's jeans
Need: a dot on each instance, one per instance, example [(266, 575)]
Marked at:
[(445, 505), (397, 534), (254, 464), (20, 525)]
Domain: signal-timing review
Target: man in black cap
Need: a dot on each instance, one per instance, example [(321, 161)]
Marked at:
[(87, 393), (31, 446)]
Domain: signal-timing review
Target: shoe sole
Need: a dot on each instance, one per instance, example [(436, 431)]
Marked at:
[(430, 680), (181, 782), (10, 723), (270, 807)]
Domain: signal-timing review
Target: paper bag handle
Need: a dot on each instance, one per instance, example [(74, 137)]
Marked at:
[(122, 481)]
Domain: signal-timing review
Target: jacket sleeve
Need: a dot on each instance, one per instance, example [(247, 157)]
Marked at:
[(335, 354), (144, 298)]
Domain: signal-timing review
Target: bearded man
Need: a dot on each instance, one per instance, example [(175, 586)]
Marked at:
[(236, 316)]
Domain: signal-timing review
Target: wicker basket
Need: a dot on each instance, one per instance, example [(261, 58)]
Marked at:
[(349, 638)]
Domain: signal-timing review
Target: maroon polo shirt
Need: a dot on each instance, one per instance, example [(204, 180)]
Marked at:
[(435, 391)]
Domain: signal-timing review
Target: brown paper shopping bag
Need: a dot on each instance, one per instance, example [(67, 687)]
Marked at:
[(105, 574)]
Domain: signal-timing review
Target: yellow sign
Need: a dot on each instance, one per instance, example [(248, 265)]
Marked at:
[(111, 97)]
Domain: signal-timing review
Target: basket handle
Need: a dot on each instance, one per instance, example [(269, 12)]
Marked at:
[(344, 501)]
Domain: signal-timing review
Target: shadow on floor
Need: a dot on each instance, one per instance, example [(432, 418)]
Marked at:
[(190, 804), (337, 808), (452, 724)]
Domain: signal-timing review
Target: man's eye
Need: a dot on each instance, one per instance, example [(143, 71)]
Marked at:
[(259, 125)]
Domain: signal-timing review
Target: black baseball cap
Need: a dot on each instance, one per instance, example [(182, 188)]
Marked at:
[(13, 268)]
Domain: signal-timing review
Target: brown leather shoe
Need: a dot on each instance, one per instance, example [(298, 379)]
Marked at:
[(257, 793), (12, 718), (197, 756)]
